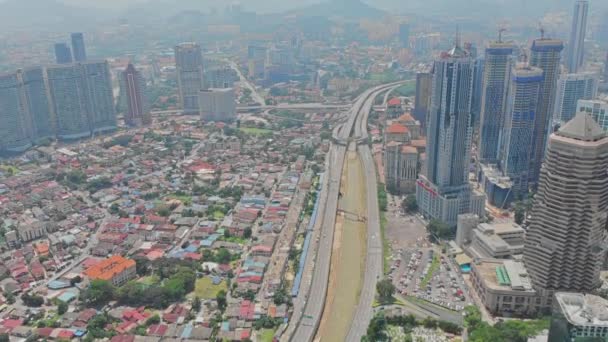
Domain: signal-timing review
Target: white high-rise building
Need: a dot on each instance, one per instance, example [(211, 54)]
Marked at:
[(564, 248), (576, 45), (189, 67), (217, 104)]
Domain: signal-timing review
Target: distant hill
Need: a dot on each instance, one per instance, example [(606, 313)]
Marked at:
[(347, 9)]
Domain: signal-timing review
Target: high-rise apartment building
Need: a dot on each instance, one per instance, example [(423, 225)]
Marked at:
[(546, 55), (518, 130), (424, 82), (189, 65), (576, 44), (37, 103), (564, 243), (13, 121), (404, 35), (217, 104), (598, 109), (222, 77), (82, 99), (99, 97), (496, 78), (444, 192), (570, 89), (137, 112), (63, 54), (67, 98), (78, 47)]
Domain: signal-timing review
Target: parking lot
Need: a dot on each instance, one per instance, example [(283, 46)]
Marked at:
[(418, 269)]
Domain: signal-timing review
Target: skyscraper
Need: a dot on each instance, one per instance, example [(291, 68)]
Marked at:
[(67, 98), (13, 131), (189, 64), (524, 94), (444, 192), (63, 55), (99, 97), (217, 104), (496, 77), (424, 82), (78, 47), (82, 99), (576, 45), (546, 55), (137, 112), (564, 243), (404, 35), (37, 103), (570, 89)]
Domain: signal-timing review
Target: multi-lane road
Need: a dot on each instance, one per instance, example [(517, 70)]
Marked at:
[(353, 130)]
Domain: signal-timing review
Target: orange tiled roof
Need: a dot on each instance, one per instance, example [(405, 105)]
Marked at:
[(406, 117), (108, 268), (397, 128)]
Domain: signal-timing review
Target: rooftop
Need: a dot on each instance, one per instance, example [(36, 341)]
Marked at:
[(583, 309), (582, 127), (108, 268)]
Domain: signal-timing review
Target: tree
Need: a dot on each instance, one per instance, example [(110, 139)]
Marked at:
[(196, 304), (221, 300), (247, 233), (62, 308), (386, 290), (32, 300), (155, 319), (439, 229), (223, 256), (100, 292), (520, 213), (376, 329), (409, 204), (10, 297)]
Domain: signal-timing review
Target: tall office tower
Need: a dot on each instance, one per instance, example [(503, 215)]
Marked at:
[(524, 94), (66, 88), (99, 97), (217, 104), (564, 250), (404, 35), (576, 45), (37, 103), (598, 109), (496, 77), (546, 55), (137, 113), (570, 89), (443, 191), (63, 55), (78, 47), (480, 63), (189, 64), (422, 101), (13, 131), (257, 56)]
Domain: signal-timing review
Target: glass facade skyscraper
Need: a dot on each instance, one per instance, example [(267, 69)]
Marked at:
[(78, 47), (495, 88), (189, 65)]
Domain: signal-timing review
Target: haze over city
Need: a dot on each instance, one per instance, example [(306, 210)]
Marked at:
[(314, 170)]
